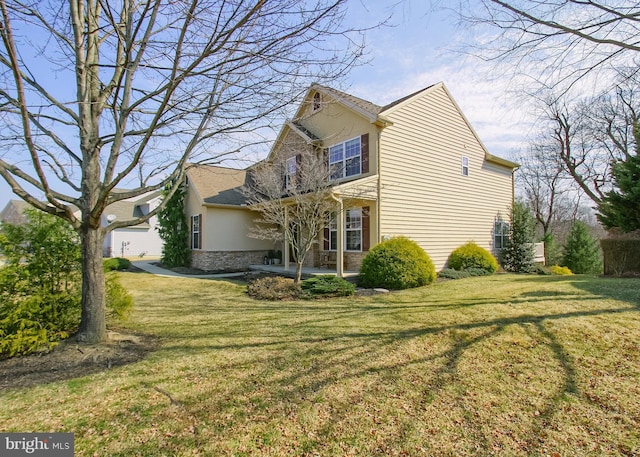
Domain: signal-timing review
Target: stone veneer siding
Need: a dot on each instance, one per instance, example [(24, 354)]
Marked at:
[(226, 260), (352, 260)]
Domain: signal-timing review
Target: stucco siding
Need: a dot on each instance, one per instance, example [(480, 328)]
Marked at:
[(424, 194)]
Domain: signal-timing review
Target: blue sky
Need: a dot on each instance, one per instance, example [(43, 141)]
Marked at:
[(417, 49)]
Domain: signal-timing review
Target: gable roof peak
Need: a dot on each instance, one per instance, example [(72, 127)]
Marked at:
[(365, 107)]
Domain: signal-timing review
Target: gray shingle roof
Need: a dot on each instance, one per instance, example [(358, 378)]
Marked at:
[(365, 105), (218, 185)]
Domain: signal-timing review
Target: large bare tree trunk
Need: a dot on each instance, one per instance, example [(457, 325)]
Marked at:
[(93, 328)]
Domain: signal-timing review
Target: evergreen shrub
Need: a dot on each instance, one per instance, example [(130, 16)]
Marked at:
[(327, 286), (116, 264), (582, 252), (473, 256), (397, 263)]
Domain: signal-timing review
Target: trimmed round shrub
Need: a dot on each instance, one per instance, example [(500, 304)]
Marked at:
[(116, 264), (327, 286), (472, 256), (398, 263), (560, 271)]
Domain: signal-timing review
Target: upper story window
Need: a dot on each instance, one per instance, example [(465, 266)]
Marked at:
[(345, 159), (317, 101), (291, 168), (465, 166)]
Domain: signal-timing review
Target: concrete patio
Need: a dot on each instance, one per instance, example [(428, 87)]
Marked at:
[(306, 271)]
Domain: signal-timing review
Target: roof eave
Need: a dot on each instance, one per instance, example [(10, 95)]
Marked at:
[(500, 161)]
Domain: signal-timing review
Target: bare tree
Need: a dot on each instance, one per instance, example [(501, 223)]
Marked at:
[(589, 135), (98, 94), (556, 43), (294, 196), (546, 185)]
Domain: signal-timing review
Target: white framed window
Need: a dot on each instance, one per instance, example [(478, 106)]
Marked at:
[(291, 168), (500, 234), (333, 234), (345, 159), (196, 232), (465, 166), (353, 230), (317, 101)]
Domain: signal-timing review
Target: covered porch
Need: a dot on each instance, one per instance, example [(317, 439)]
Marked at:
[(345, 241)]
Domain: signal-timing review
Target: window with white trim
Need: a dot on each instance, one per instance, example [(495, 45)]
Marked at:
[(333, 234), (353, 230), (195, 232), (345, 159), (291, 168), (465, 166), (500, 234)]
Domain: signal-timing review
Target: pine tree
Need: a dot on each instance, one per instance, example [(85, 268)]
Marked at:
[(518, 256), (174, 231), (621, 206), (582, 251)]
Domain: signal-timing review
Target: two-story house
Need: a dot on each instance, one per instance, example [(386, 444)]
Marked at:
[(414, 167)]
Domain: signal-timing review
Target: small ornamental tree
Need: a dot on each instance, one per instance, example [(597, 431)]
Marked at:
[(582, 251), (518, 255), (174, 230), (292, 195)]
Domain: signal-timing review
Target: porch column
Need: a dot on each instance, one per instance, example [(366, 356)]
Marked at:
[(285, 250), (340, 243)]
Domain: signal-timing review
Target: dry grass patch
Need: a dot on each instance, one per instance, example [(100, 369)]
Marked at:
[(501, 365)]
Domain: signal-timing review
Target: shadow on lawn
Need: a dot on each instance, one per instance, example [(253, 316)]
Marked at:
[(347, 355), (285, 368)]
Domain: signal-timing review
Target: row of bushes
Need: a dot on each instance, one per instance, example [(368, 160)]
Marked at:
[(398, 263)]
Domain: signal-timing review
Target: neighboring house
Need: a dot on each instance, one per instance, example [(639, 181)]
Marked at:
[(138, 240), (414, 167), (13, 212)]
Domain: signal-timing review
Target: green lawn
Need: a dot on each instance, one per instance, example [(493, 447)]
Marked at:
[(504, 365)]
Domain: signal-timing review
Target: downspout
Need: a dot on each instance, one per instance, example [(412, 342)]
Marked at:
[(285, 248), (340, 233), (379, 191)]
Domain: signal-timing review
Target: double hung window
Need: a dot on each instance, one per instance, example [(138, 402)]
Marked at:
[(353, 228), (291, 168), (352, 231), (196, 231), (345, 159), (500, 234)]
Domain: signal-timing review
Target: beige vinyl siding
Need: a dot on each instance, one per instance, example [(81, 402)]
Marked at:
[(224, 229), (228, 230), (424, 195), (335, 123)]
